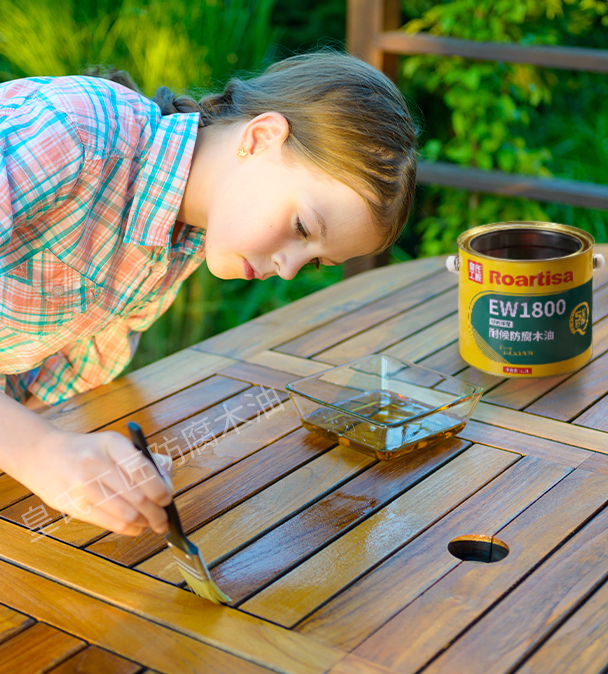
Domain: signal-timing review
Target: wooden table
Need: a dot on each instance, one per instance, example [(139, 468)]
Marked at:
[(335, 562)]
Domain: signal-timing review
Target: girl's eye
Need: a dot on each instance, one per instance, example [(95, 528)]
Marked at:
[(302, 231), (300, 228)]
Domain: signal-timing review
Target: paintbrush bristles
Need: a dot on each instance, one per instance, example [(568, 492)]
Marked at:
[(205, 588), (196, 573)]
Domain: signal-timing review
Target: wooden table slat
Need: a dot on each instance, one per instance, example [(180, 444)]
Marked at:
[(123, 633), (431, 622), (99, 407), (11, 491), (246, 572), (94, 660), (178, 406), (11, 622), (298, 593), (446, 360), (351, 664), (578, 645), (478, 378), (259, 374), (392, 331), (361, 609), (426, 341), (574, 395), (355, 322), (542, 427), (265, 510), (290, 321), (37, 648), (535, 607), (20, 511), (526, 444), (167, 618)]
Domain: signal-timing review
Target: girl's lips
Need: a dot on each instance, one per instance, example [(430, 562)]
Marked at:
[(249, 270)]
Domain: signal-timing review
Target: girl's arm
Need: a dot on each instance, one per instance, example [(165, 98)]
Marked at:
[(98, 478)]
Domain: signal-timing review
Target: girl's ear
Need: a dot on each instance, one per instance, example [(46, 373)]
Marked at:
[(266, 131)]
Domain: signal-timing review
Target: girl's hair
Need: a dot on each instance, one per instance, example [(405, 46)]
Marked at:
[(345, 117)]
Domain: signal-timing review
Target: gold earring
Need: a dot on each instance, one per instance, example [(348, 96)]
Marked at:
[(242, 152)]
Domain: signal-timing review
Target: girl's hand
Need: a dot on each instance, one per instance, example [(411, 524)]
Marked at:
[(99, 478)]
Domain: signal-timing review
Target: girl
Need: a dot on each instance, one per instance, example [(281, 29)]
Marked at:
[(108, 201)]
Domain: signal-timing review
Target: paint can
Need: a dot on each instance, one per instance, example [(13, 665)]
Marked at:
[(525, 298)]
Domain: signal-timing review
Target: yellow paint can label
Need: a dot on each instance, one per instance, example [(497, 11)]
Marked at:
[(521, 317)]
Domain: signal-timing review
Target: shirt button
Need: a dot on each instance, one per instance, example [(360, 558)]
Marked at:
[(58, 291), (158, 268)]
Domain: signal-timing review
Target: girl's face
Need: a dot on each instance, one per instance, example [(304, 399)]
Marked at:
[(266, 215)]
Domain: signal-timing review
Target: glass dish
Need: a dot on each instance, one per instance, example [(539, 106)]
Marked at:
[(382, 406)]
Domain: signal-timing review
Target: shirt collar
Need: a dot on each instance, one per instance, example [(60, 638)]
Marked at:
[(162, 180)]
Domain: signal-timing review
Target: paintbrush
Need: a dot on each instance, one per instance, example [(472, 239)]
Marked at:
[(186, 555)]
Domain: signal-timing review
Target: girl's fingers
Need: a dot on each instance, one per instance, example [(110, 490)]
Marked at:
[(128, 503), (120, 518), (123, 491), (136, 482), (110, 495), (105, 520), (136, 471)]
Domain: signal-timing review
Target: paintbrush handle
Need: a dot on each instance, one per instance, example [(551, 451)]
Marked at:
[(175, 526)]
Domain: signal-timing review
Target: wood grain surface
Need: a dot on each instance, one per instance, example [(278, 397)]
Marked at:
[(257, 515), (578, 645), (535, 607), (292, 542), (38, 648), (310, 312), (164, 616), (392, 331), (99, 407), (298, 593), (437, 617), (95, 660), (12, 622), (121, 632), (363, 607), (359, 321)]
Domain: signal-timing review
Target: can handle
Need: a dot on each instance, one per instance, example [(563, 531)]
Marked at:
[(453, 263), (598, 261)]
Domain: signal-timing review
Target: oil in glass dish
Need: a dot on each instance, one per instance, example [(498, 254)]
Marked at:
[(385, 407)]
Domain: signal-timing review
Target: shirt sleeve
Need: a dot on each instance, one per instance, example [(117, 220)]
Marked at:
[(41, 157), (85, 364)]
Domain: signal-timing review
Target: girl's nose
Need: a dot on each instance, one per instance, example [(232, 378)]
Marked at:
[(287, 266)]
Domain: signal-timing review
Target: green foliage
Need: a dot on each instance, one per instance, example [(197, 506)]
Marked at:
[(184, 46), (309, 24), (500, 116)]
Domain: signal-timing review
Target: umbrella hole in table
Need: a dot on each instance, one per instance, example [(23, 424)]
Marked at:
[(478, 548)]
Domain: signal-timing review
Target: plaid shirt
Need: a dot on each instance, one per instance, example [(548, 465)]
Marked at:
[(91, 181)]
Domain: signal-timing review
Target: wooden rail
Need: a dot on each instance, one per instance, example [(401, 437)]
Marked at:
[(572, 192), (372, 35), (566, 58)]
